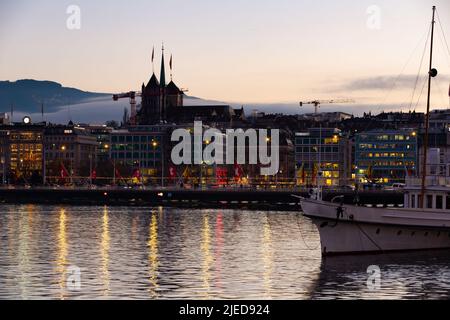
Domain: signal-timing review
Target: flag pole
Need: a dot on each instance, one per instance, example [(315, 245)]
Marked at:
[(153, 59), (170, 64)]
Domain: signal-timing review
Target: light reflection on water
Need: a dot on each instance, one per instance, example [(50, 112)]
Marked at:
[(163, 253)]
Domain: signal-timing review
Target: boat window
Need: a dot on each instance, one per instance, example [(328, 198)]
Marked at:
[(439, 204), (413, 201), (429, 201)]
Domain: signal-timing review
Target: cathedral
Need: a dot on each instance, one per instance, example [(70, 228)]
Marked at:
[(159, 100), (163, 103)]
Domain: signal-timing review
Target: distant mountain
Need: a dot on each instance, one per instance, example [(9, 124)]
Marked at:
[(62, 104), (27, 96)]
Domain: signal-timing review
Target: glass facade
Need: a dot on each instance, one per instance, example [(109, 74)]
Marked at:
[(139, 150), (385, 156), (319, 148)]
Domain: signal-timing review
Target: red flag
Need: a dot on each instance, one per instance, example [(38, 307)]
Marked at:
[(172, 172), (221, 175), (137, 174), (153, 54), (118, 175), (63, 171), (238, 172), (170, 62)]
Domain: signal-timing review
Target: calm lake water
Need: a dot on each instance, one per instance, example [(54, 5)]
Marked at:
[(165, 253)]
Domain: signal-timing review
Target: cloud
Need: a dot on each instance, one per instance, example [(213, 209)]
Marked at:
[(387, 82)]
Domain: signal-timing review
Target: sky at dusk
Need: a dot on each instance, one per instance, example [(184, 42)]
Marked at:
[(254, 51)]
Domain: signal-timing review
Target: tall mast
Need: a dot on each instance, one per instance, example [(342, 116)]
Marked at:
[(431, 73)]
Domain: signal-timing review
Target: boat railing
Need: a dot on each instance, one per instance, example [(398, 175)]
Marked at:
[(437, 175), (429, 181)]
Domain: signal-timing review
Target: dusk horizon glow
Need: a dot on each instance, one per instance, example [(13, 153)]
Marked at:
[(250, 53)]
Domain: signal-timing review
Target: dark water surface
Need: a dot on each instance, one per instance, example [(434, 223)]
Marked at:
[(151, 253)]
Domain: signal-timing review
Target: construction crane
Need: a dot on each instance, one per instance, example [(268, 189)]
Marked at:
[(317, 103), (132, 96)]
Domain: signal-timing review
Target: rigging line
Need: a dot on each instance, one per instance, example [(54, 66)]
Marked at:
[(441, 91), (444, 49), (421, 92), (406, 64), (443, 33), (420, 68)]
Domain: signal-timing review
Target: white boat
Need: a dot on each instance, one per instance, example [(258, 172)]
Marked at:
[(346, 229), (422, 223)]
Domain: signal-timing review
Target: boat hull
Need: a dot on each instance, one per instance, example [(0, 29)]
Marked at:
[(368, 230)]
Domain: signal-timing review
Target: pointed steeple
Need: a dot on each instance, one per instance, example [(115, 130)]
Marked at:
[(162, 77)]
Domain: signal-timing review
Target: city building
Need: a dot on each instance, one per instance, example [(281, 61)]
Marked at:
[(71, 149), (21, 147), (438, 141), (440, 119), (386, 156), (103, 135), (322, 152), (139, 151)]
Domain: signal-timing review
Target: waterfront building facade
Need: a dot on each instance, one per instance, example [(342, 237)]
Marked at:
[(69, 148), (321, 152), (139, 151), (386, 156), (21, 147), (102, 133)]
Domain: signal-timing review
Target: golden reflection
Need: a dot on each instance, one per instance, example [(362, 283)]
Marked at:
[(153, 260), (104, 252), (61, 262), (267, 255), (218, 250), (207, 257), (30, 216), (24, 253)]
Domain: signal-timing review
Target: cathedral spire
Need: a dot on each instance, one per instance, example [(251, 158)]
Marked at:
[(162, 78)]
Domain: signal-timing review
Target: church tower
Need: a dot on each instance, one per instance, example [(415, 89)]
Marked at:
[(151, 102), (162, 84), (158, 99)]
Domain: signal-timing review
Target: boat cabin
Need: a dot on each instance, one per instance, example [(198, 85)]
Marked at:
[(437, 198)]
